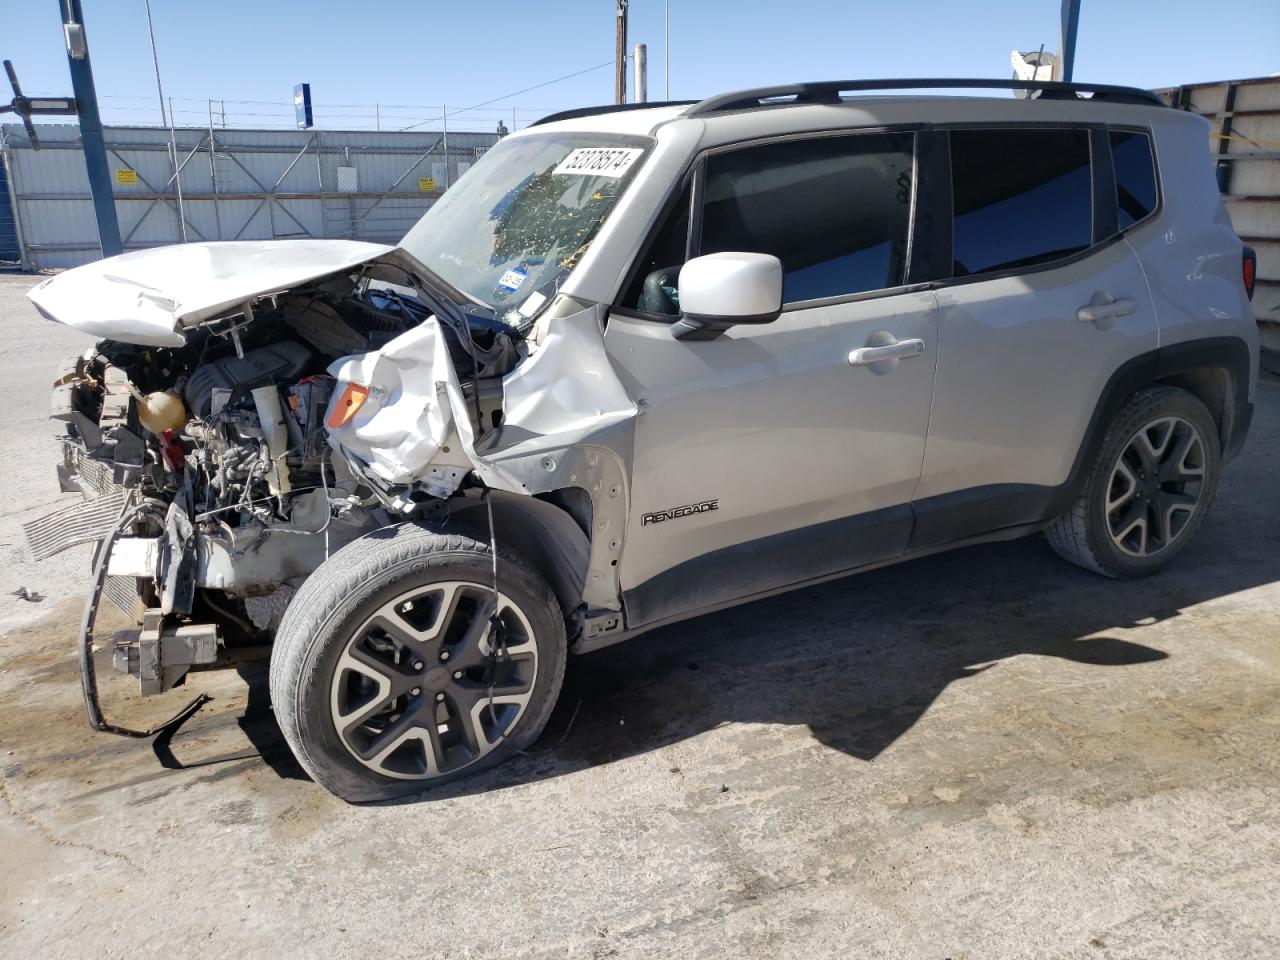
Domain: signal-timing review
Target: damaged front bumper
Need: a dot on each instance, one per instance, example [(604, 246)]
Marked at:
[(152, 557), (559, 422)]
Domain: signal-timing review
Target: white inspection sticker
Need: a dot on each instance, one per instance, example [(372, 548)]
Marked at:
[(512, 279), (599, 161)]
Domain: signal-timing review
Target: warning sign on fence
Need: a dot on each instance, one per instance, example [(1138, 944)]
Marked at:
[(124, 175), (427, 183)]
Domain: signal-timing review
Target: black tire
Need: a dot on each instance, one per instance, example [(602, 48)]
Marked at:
[(339, 597), (1084, 535)]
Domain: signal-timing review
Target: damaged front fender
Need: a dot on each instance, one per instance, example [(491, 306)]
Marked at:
[(566, 421)]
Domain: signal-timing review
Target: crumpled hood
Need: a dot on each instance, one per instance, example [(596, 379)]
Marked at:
[(150, 296)]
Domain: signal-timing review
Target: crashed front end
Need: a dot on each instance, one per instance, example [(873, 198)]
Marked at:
[(225, 454)]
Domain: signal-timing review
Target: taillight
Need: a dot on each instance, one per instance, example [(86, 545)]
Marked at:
[(349, 401), (1250, 269)]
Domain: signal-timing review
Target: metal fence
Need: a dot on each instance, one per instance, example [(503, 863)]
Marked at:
[(232, 184), (9, 253)]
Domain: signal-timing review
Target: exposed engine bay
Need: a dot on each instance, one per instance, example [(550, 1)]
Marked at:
[(228, 445), (223, 442), (232, 423), (237, 414)]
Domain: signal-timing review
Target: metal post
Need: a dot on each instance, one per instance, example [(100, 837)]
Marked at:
[(9, 168), (177, 176), (666, 50), (444, 139), (377, 117), (213, 175), (620, 55), (641, 57), (1070, 24), (155, 62), (95, 148), (513, 119), (167, 120)]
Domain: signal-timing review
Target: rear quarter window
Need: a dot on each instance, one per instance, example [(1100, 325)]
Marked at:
[(1135, 170)]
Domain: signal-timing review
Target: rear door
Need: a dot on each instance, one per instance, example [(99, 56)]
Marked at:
[(765, 458), (1044, 302)]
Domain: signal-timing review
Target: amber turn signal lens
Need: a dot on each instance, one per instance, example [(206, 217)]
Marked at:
[(348, 403)]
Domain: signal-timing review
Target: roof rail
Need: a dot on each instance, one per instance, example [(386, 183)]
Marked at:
[(609, 108), (828, 91)]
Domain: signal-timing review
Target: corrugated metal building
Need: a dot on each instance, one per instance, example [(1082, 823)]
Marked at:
[(1244, 118), (233, 185)]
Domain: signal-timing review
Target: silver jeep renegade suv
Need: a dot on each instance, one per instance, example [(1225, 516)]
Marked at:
[(642, 364)]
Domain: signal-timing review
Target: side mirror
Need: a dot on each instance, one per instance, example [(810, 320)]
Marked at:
[(723, 289)]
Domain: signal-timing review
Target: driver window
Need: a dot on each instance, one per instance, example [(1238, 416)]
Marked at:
[(835, 210), (654, 288)]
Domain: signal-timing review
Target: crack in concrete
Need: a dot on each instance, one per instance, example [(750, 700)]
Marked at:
[(48, 833)]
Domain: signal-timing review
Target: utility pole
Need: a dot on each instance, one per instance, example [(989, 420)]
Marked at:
[(1070, 25), (620, 55), (641, 59), (666, 50), (95, 148)]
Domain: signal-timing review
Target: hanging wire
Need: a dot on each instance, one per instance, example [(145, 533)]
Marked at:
[(508, 96)]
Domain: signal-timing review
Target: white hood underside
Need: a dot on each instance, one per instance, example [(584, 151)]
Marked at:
[(150, 296)]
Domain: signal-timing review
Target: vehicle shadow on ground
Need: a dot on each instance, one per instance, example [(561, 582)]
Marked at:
[(858, 661)]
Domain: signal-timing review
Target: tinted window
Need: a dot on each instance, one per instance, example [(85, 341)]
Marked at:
[(1022, 197), (835, 211), (654, 288), (1135, 176)]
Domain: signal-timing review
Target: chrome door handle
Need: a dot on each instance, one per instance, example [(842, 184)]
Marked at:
[(1109, 310), (893, 351)]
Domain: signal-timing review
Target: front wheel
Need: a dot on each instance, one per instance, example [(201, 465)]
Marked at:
[(1150, 489), (397, 668)]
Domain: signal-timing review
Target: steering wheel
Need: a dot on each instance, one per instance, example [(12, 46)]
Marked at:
[(654, 295)]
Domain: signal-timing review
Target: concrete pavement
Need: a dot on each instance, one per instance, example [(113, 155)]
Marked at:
[(985, 754)]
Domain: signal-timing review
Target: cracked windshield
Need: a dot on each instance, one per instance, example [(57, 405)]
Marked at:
[(516, 225)]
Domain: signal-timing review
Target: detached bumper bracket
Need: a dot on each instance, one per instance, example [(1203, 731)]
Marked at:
[(88, 673)]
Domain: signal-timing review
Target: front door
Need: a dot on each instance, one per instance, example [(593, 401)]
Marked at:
[(786, 452)]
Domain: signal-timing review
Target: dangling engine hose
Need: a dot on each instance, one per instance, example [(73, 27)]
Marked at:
[(88, 674)]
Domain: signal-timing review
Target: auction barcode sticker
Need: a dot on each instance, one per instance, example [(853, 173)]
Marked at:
[(599, 161)]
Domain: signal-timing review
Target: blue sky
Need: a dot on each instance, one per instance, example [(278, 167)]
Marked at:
[(412, 57)]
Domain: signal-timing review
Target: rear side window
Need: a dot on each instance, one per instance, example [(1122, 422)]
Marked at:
[(1022, 197), (1135, 176), (835, 211)]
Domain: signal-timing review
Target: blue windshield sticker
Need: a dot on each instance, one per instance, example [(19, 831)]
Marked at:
[(512, 279)]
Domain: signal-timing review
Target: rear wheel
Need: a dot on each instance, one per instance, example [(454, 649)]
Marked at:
[(396, 667), (1149, 490)]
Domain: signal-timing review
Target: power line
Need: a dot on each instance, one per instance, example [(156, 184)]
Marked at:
[(508, 96)]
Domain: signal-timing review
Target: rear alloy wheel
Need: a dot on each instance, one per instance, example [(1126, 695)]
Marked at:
[(1149, 489), (398, 667), (1155, 487)]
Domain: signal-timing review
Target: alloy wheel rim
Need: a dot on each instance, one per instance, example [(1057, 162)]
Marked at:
[(1155, 487), (416, 693)]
